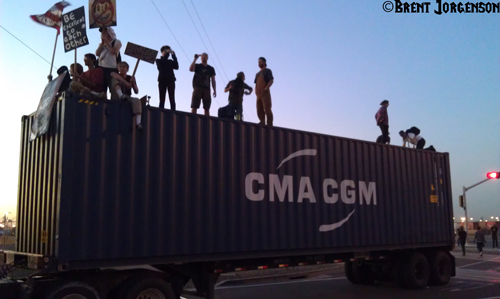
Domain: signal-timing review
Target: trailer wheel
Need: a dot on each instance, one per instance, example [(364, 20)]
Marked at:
[(440, 269), (415, 271), (348, 272), (146, 288), (73, 290), (359, 273), (383, 273)]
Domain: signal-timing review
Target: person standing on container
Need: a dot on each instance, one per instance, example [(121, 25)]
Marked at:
[(263, 81), (462, 239), (108, 52), (166, 77), (494, 235), (203, 74), (480, 240), (383, 121)]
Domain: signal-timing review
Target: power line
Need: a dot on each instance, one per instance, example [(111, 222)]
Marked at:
[(208, 37), (203, 43), (170, 29), (199, 34), (26, 45)]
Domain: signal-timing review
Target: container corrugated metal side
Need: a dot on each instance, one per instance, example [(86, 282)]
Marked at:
[(39, 166), (191, 187)]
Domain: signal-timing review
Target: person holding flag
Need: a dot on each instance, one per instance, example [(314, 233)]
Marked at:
[(52, 18)]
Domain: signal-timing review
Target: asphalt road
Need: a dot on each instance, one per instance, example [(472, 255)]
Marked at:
[(477, 278)]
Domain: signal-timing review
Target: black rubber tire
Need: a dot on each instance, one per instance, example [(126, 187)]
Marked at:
[(440, 269), (383, 273), (73, 288), (348, 272), (133, 287), (416, 271), (362, 273)]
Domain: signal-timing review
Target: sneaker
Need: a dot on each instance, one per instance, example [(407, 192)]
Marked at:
[(139, 126)]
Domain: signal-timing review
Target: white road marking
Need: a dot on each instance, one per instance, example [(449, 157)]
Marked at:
[(472, 264), (278, 283)]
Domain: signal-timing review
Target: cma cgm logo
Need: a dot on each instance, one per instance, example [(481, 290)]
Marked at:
[(346, 191)]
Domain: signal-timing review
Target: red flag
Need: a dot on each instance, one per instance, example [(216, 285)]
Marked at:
[(52, 17)]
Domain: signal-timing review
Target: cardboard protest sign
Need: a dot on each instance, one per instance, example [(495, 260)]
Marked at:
[(141, 53), (41, 121), (102, 13), (74, 29)]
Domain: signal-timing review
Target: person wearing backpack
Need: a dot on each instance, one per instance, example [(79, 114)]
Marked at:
[(109, 56), (383, 122), (413, 134)]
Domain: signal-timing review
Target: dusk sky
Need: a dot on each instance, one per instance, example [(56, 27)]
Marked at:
[(333, 63)]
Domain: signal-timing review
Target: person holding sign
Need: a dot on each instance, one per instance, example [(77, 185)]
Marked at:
[(123, 85), (109, 53), (77, 86), (203, 73), (94, 77), (166, 77)]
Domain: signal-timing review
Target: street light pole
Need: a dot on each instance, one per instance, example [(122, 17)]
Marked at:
[(465, 203)]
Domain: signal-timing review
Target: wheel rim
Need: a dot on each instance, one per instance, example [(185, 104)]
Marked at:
[(151, 294), (74, 296), (419, 271), (442, 268)]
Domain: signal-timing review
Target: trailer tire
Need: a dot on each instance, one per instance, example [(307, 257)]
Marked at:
[(440, 269), (415, 271), (359, 273), (348, 272), (146, 287), (73, 289)]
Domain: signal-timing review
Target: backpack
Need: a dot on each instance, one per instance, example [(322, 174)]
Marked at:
[(118, 56), (413, 130), (226, 112)]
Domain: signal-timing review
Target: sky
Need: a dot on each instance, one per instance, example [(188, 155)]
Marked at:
[(333, 62)]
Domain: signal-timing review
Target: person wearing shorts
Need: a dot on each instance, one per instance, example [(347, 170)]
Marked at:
[(203, 74)]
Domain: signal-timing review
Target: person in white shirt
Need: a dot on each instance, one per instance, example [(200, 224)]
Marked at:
[(417, 140), (406, 139), (108, 52)]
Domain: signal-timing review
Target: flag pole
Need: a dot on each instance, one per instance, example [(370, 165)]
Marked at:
[(53, 54)]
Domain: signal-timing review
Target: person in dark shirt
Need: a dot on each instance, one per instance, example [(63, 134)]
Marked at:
[(462, 238), (237, 88), (494, 236), (203, 74), (123, 85), (383, 121), (166, 77), (263, 81), (480, 240)]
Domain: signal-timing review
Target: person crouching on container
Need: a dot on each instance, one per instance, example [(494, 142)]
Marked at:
[(237, 88)]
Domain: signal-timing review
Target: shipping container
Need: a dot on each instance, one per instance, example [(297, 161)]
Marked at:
[(96, 192)]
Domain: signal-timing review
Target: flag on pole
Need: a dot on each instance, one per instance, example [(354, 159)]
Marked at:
[(52, 17)]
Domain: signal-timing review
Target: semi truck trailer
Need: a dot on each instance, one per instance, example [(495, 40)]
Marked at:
[(109, 211)]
